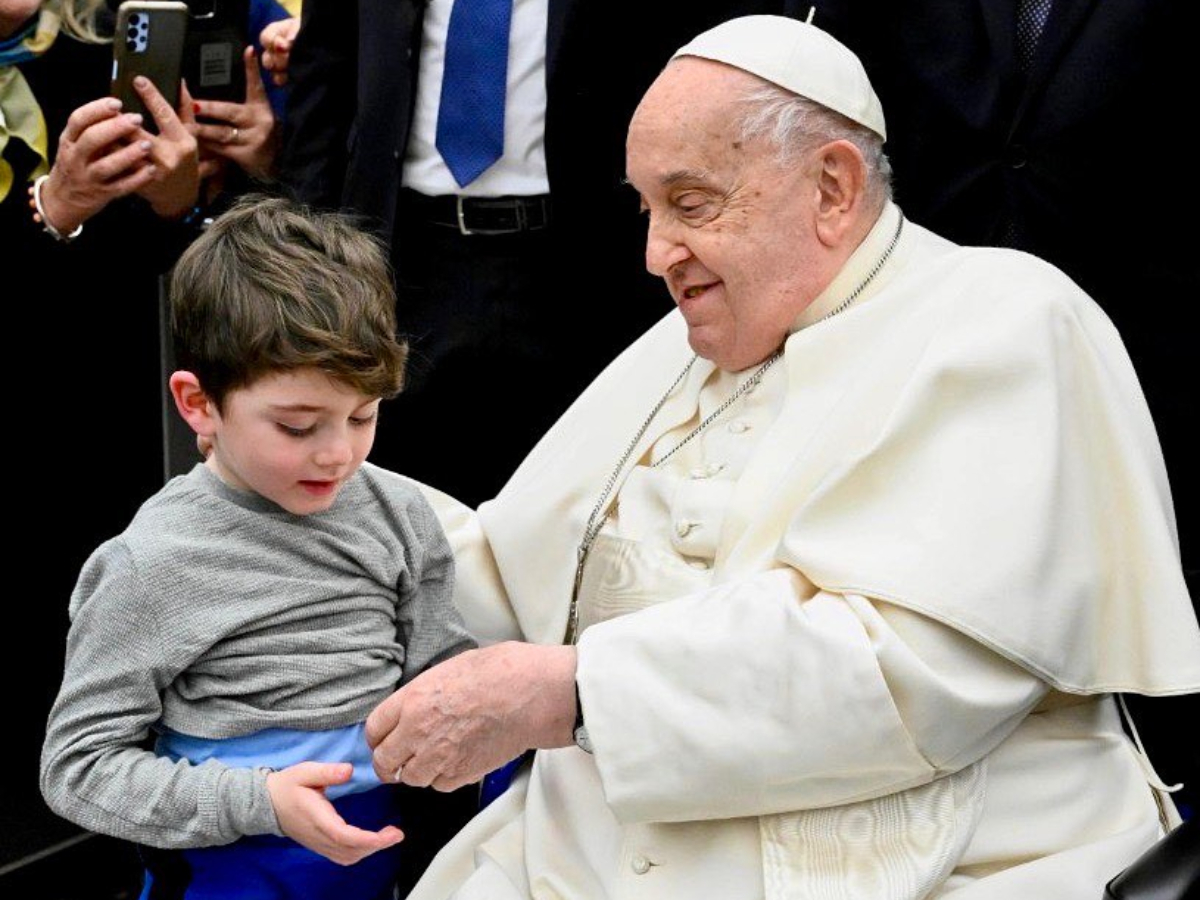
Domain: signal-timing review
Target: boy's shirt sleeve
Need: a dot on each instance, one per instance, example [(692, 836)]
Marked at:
[(430, 626), (96, 768)]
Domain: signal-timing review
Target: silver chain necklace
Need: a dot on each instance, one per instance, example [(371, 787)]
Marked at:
[(595, 521)]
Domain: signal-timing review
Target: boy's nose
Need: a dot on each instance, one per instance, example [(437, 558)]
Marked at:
[(335, 452)]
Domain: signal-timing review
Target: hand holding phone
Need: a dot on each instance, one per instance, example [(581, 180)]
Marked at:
[(242, 133), (149, 41)]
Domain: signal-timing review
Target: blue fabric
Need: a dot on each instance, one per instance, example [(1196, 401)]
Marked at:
[(13, 49), (470, 126), (278, 748), (496, 783), (268, 867)]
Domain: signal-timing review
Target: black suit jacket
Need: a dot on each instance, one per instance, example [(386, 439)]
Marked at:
[(1064, 150)]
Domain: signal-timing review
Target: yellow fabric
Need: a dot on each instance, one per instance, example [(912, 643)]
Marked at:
[(20, 115), (292, 7)]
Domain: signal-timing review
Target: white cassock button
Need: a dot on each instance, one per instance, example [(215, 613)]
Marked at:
[(683, 527), (640, 865), (738, 427)]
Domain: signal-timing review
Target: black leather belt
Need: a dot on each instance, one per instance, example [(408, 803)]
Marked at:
[(481, 215)]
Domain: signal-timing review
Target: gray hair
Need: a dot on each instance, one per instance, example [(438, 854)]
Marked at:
[(795, 125)]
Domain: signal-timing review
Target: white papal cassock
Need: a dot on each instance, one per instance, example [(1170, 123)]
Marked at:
[(859, 637)]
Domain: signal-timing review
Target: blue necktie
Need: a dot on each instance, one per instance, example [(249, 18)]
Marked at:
[(470, 127)]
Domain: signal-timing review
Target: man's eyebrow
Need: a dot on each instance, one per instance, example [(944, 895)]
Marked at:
[(681, 175), (673, 178)]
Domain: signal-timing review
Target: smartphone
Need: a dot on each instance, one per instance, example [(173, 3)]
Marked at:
[(212, 55), (149, 40)]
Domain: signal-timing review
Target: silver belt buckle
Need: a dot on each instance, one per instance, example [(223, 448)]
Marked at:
[(518, 206), (462, 221)]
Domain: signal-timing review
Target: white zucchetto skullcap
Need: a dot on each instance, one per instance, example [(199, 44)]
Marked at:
[(798, 57)]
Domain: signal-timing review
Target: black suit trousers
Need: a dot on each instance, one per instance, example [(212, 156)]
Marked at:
[(487, 320)]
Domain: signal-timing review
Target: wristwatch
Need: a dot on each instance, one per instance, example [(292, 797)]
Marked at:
[(582, 741)]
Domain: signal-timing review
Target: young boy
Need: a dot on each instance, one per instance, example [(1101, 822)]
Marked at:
[(257, 609)]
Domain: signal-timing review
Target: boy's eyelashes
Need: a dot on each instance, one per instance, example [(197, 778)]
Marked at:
[(304, 431), (292, 431)]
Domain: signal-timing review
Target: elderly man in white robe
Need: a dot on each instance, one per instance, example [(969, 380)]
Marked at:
[(829, 585)]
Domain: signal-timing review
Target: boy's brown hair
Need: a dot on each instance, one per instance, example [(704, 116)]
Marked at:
[(274, 285)]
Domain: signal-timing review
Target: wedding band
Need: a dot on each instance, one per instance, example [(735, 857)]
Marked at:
[(399, 771), (233, 135)]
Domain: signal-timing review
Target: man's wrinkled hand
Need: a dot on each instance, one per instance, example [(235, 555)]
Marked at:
[(473, 713)]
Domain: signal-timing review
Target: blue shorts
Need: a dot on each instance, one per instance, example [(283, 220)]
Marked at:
[(268, 867)]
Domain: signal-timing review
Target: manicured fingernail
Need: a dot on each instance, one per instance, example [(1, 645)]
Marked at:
[(134, 118), (113, 103), (141, 81)]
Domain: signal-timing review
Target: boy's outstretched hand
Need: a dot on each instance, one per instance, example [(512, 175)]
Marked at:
[(307, 817)]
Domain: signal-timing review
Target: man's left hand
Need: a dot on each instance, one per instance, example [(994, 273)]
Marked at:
[(473, 713)]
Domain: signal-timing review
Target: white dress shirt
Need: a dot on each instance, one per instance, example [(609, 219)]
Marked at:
[(522, 169)]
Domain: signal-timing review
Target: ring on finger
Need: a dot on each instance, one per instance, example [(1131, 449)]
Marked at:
[(234, 132), (396, 775)]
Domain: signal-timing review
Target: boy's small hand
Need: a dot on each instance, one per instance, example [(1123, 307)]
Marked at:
[(307, 817)]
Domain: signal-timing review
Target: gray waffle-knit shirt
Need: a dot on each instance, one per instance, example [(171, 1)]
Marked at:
[(217, 613)]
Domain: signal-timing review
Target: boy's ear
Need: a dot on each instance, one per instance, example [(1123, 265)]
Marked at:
[(193, 404)]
